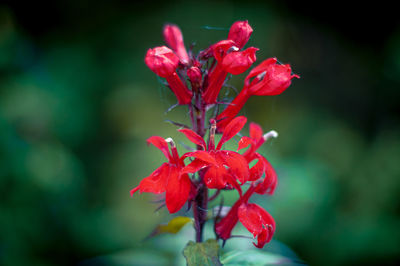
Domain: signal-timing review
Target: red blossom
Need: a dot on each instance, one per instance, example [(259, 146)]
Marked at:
[(163, 62), (270, 78), (256, 139), (258, 221), (229, 59), (223, 167), (167, 178), (266, 79)]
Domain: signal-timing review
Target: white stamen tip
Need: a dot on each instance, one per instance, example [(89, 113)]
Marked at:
[(169, 140), (261, 75), (234, 48), (270, 134)]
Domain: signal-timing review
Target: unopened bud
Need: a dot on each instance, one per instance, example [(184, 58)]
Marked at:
[(194, 74), (240, 33), (174, 39)]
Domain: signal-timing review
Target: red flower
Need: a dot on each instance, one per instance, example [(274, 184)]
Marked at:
[(229, 59), (240, 33), (163, 62), (258, 221), (268, 78), (168, 177), (174, 39), (223, 167), (256, 139)]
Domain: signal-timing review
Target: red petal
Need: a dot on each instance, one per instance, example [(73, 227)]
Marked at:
[(238, 62), (173, 37), (257, 221), (232, 129), (237, 164), (156, 182), (244, 142), (259, 69), (194, 166), (271, 179), (202, 155), (257, 170), (178, 87), (264, 237), (161, 144), (215, 177), (256, 131), (232, 110), (193, 137), (178, 189), (221, 48)]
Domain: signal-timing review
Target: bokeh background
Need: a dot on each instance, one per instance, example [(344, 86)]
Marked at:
[(77, 104)]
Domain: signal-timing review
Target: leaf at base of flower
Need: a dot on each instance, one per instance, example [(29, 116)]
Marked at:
[(205, 253)]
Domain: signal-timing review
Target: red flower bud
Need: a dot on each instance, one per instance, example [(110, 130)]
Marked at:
[(162, 61), (194, 74), (174, 39), (240, 33)]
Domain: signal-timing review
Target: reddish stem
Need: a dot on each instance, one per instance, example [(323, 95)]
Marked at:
[(200, 204)]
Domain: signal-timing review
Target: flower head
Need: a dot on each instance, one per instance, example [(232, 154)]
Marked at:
[(196, 80)]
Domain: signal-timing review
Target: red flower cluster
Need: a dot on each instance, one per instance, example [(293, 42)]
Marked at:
[(196, 81)]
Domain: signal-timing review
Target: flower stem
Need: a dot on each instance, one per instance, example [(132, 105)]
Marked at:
[(200, 205)]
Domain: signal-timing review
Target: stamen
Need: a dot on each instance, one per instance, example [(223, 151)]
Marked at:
[(174, 151), (261, 75), (211, 140), (171, 142), (233, 49), (270, 134)]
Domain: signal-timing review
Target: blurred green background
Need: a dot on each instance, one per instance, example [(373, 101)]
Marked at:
[(77, 104)]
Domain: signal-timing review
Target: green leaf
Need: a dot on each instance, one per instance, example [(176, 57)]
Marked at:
[(205, 253)]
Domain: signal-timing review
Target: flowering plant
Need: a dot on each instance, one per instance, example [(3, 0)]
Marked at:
[(196, 80)]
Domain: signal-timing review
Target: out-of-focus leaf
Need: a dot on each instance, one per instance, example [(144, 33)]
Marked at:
[(254, 257), (173, 226), (205, 253)]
